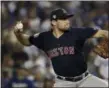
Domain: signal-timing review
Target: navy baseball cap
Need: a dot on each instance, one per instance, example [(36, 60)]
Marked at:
[(60, 14)]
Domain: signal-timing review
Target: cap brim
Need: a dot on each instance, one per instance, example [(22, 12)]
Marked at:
[(67, 16)]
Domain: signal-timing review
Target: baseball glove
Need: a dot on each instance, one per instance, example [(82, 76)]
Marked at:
[(102, 48)]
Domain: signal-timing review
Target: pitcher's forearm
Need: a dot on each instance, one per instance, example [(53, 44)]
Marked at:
[(23, 38)]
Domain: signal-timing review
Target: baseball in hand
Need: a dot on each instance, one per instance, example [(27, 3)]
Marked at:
[(19, 25)]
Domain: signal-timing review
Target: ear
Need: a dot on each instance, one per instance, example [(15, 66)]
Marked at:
[(53, 22)]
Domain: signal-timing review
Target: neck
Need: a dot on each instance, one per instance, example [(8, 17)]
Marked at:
[(57, 33)]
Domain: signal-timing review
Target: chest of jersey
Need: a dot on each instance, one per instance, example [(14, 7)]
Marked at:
[(64, 45)]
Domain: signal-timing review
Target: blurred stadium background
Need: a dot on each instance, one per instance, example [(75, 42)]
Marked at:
[(35, 17)]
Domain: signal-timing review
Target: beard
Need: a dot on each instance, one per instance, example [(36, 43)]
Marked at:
[(64, 29)]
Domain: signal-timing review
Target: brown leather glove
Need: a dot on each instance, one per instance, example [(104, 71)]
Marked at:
[(102, 49)]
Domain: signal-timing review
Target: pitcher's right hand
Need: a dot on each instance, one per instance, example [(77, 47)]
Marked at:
[(18, 27)]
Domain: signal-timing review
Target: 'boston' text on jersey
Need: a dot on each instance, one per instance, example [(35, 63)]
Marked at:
[(61, 51)]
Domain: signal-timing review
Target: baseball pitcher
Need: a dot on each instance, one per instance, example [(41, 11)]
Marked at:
[(64, 46)]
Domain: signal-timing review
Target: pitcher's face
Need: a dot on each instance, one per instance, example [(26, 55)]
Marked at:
[(63, 24)]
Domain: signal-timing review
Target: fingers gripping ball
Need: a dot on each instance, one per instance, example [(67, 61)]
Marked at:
[(18, 27), (102, 49)]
